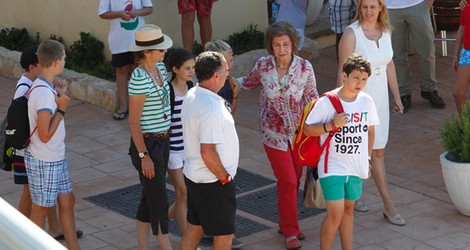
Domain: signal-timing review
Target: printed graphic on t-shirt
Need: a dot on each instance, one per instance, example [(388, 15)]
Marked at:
[(131, 24), (348, 138)]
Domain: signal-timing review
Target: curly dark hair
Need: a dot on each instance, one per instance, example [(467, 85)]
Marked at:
[(356, 62)]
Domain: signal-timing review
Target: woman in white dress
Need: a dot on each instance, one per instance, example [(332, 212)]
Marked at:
[(369, 35)]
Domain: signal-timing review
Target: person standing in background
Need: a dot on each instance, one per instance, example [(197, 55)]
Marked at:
[(341, 14), (187, 9), (295, 13), (413, 16), (125, 17)]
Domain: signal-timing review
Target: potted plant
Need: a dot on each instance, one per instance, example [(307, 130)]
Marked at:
[(455, 162)]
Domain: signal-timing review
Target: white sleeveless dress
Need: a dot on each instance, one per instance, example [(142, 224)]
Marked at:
[(377, 85)]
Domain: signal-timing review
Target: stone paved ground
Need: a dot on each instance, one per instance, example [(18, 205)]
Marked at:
[(97, 152)]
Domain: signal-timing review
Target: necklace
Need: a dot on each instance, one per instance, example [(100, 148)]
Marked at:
[(279, 67), (155, 80)]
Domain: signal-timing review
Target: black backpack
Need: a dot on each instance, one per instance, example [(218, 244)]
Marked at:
[(17, 130), (6, 153)]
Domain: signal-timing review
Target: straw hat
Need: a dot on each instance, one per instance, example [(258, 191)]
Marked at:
[(150, 36)]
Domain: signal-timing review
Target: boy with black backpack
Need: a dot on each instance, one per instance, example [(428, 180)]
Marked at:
[(29, 62), (349, 150), (46, 164)]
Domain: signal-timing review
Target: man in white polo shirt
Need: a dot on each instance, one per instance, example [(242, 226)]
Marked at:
[(211, 156)]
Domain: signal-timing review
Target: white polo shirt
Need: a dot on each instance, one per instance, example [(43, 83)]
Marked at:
[(42, 99), (206, 119)]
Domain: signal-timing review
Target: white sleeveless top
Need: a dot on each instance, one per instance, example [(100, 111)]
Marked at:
[(379, 54)]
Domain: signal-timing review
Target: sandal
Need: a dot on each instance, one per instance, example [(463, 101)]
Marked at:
[(120, 115), (361, 207), (301, 235), (292, 243)]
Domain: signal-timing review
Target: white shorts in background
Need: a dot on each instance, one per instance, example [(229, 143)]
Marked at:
[(176, 160)]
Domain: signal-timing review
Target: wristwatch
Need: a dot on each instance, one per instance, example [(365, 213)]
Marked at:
[(143, 154), (228, 178)]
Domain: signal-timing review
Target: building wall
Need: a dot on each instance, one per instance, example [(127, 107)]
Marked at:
[(67, 18)]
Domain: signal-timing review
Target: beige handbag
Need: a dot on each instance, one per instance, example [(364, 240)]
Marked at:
[(313, 194)]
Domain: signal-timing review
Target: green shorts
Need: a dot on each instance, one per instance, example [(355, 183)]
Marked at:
[(341, 187)]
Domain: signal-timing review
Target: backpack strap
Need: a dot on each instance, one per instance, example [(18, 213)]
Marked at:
[(37, 86), (336, 102), (27, 95), (22, 84)]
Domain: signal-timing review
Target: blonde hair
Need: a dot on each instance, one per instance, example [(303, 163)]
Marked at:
[(383, 18), (50, 51), (218, 46)]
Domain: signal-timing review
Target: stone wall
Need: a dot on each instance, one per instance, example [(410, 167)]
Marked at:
[(80, 86)]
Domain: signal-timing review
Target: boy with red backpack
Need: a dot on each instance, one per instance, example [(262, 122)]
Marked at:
[(349, 149)]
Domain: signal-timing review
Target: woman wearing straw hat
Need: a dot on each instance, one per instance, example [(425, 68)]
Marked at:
[(149, 121)]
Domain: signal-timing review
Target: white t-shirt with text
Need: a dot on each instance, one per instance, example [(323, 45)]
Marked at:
[(348, 153)]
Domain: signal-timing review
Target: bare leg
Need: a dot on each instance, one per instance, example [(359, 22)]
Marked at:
[(53, 222), (223, 242), (25, 202), (191, 237), (180, 206), (122, 80), (346, 226), (461, 85), (143, 231), (187, 29), (380, 178), (205, 28), (38, 215), (163, 240), (330, 225), (67, 219)]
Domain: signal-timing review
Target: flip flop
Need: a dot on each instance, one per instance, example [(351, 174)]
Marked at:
[(120, 115), (61, 236)]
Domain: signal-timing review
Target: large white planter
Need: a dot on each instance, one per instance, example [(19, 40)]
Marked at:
[(457, 180)]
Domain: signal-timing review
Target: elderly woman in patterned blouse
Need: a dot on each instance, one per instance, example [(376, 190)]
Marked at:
[(287, 83)]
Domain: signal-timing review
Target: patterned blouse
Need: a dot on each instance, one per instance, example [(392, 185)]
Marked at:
[(281, 100)]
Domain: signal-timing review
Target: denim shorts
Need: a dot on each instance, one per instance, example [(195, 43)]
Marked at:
[(345, 187), (47, 180), (464, 57)]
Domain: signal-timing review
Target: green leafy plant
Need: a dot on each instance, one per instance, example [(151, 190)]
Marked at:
[(455, 136), (17, 39), (86, 56), (86, 53), (249, 39)]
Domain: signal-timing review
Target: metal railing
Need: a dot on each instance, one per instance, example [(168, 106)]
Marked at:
[(19, 233)]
